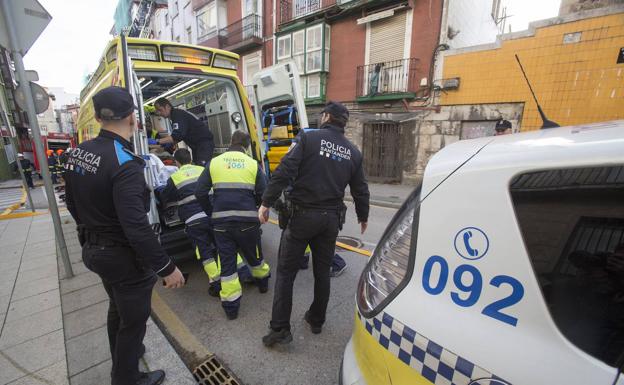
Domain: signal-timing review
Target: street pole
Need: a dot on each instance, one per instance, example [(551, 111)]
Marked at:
[(34, 125), (13, 132)]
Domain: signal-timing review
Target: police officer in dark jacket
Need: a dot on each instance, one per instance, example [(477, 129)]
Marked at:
[(322, 163), (187, 128), (107, 196)]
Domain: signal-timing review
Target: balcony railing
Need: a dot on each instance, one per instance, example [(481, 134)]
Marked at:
[(293, 9), (243, 34), (387, 78)]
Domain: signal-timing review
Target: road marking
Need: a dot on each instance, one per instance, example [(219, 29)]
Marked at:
[(367, 253), (14, 206)]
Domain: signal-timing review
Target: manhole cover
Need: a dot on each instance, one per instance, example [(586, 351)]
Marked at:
[(212, 372), (350, 241)]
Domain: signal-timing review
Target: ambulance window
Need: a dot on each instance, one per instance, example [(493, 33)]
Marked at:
[(572, 222)]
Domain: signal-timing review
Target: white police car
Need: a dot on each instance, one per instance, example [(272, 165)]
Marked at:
[(505, 267)]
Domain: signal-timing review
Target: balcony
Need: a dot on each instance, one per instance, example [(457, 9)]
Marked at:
[(395, 79), (294, 9), (242, 35)]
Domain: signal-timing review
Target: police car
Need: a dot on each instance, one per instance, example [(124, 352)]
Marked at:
[(505, 267)]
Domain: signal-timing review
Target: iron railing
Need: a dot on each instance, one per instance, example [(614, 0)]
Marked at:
[(293, 9), (392, 77), (249, 27)]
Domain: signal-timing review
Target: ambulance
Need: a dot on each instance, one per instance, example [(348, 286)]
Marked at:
[(506, 266), (200, 80)]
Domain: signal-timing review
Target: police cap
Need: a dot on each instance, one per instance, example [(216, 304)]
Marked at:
[(113, 103), (502, 125), (337, 111)]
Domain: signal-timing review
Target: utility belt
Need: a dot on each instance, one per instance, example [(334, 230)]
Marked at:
[(286, 209), (100, 238)]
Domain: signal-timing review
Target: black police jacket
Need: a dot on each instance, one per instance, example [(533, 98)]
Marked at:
[(106, 192), (191, 130), (322, 163)]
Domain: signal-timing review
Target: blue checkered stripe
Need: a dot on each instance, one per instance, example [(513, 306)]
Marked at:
[(432, 361)]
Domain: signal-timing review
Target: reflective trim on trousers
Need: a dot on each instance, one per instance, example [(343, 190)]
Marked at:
[(195, 217), (211, 267), (235, 213), (231, 288), (188, 199), (240, 185), (260, 271)]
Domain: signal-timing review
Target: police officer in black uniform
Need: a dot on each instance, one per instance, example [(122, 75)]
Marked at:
[(187, 128), (108, 198), (322, 163)]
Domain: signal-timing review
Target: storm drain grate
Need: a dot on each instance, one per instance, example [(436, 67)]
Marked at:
[(350, 241), (212, 372)]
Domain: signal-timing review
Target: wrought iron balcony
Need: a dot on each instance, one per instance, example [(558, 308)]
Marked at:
[(294, 9), (243, 34), (397, 77)]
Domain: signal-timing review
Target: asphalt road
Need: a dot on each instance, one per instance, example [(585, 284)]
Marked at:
[(310, 359)]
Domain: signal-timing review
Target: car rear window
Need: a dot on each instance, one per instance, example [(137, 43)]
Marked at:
[(572, 222)]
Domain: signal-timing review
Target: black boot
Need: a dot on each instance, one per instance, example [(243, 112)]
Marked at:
[(281, 337), (152, 378), (316, 329)]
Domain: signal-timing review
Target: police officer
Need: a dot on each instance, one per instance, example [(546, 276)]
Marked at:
[(503, 127), (187, 128), (108, 198), (322, 163), (27, 167), (181, 188), (238, 183)]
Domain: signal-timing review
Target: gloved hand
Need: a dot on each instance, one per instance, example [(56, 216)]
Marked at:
[(151, 141)]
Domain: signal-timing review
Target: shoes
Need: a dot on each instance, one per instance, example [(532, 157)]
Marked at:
[(263, 289), (232, 316), (281, 337), (152, 378), (213, 291), (337, 270), (142, 351), (314, 328), (303, 264)]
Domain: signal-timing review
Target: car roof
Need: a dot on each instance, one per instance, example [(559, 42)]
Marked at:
[(565, 147)]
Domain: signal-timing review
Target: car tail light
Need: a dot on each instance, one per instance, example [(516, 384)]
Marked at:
[(390, 266)]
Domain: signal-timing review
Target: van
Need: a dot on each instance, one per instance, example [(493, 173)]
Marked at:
[(506, 266)]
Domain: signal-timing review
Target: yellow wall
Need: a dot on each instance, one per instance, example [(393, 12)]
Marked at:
[(575, 83)]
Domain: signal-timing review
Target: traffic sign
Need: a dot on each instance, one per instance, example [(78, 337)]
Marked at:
[(40, 97), (30, 19)]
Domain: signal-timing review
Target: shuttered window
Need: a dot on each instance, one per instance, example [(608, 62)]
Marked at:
[(387, 39)]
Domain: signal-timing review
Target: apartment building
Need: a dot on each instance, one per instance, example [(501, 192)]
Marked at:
[(376, 56)]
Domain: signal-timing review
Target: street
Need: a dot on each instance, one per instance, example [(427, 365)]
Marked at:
[(309, 359)]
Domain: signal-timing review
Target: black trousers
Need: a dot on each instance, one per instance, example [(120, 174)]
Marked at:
[(202, 153), (29, 181), (129, 288), (319, 229)]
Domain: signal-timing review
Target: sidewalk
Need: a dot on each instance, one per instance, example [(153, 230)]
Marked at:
[(53, 330)]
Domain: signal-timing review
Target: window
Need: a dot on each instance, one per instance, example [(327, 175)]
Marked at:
[(298, 49), (572, 222), (309, 49), (283, 47), (207, 20), (314, 46), (314, 86)]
